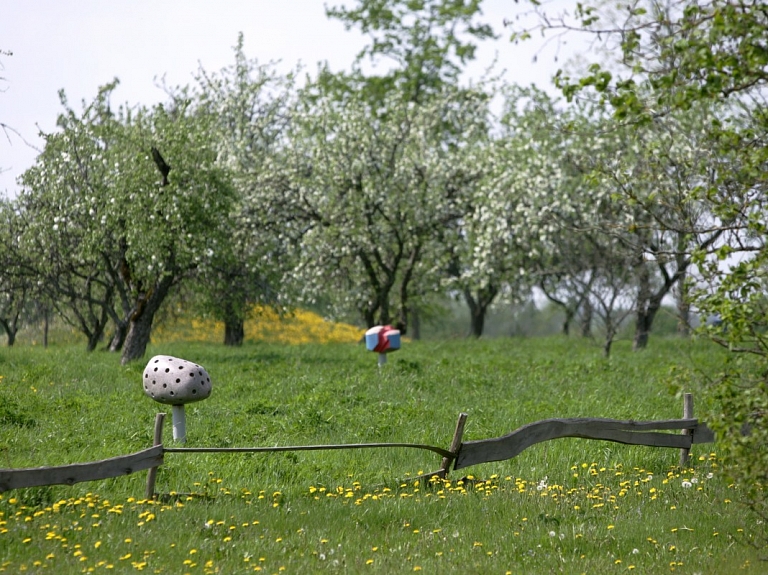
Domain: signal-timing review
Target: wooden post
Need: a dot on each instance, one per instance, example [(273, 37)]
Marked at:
[(455, 445), (685, 453), (158, 440)]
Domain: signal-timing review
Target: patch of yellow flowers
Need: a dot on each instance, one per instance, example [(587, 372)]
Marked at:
[(263, 324)]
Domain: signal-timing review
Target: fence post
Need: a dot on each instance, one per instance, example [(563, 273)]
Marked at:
[(455, 445), (687, 414), (158, 440)]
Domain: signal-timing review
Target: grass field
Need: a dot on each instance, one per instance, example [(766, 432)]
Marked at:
[(567, 506)]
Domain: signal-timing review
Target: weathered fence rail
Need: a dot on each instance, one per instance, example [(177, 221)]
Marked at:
[(460, 454), (627, 432), (79, 472)]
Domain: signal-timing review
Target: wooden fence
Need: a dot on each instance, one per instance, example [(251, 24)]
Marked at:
[(460, 454)]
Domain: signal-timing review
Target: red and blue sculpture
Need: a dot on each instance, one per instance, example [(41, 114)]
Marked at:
[(382, 339)]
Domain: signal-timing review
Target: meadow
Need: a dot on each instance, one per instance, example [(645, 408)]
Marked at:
[(566, 506)]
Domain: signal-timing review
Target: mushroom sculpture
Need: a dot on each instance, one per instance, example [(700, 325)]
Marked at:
[(176, 382), (382, 339)]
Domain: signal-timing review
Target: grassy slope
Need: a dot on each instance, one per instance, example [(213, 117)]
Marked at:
[(567, 506)]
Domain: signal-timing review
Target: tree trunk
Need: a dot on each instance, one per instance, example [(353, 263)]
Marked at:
[(569, 313), (137, 338), (683, 318), (649, 303), (93, 341), (415, 324), (234, 332), (118, 338), (140, 326), (93, 327), (476, 316), (607, 346), (46, 326), (384, 317), (478, 308), (644, 321), (11, 333), (369, 317), (683, 308), (149, 301), (405, 282), (568, 310), (642, 325), (586, 318), (11, 329), (233, 314), (642, 331)]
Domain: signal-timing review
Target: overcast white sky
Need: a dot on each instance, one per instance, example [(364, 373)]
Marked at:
[(79, 45)]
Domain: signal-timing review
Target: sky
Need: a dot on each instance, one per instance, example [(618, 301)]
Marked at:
[(79, 45)]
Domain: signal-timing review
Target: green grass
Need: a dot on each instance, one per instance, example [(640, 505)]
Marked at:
[(570, 506)]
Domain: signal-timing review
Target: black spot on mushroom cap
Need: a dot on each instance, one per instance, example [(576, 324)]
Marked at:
[(157, 361), (194, 391), (167, 370), (178, 381), (155, 369), (165, 385), (146, 375), (171, 392)]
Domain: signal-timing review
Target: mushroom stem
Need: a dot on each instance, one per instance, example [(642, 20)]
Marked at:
[(179, 423), (382, 359)]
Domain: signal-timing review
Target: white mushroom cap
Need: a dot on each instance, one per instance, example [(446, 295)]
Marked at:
[(175, 381)]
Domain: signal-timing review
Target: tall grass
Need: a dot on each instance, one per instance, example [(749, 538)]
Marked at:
[(566, 506)]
